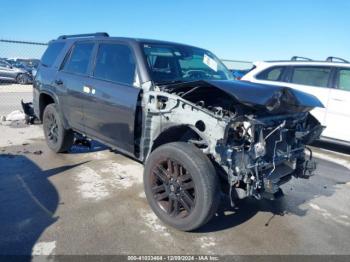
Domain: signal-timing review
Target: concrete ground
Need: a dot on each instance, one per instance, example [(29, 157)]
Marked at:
[(92, 202), (11, 95)]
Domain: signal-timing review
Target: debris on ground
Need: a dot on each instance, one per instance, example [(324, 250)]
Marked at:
[(82, 141), (16, 115), (27, 116), (38, 152), (30, 117)]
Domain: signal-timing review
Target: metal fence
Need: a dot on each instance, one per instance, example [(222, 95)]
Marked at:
[(17, 57), (18, 61)]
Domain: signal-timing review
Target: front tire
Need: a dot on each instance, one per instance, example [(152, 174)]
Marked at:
[(181, 186), (57, 137)]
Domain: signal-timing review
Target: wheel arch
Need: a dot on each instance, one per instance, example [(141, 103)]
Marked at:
[(176, 133), (46, 98)]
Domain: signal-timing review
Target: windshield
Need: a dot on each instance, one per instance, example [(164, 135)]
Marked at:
[(177, 63)]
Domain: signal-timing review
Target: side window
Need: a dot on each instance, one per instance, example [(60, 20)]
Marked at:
[(116, 63), (2, 64), (271, 74), (344, 79), (311, 76), (51, 54), (79, 58)]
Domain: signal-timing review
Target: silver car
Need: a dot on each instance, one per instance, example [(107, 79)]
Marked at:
[(11, 73)]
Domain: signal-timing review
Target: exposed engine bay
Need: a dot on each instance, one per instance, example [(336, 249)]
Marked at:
[(255, 135)]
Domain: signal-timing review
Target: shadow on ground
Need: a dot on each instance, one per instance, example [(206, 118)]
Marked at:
[(94, 147), (28, 201), (345, 149), (297, 193)]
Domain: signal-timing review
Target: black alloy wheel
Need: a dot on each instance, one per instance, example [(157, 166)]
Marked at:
[(181, 185), (57, 137), (173, 188)]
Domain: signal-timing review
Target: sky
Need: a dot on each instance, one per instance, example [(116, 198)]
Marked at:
[(233, 29)]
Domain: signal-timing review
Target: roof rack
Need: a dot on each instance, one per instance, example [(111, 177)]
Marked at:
[(100, 34), (296, 58), (332, 58)]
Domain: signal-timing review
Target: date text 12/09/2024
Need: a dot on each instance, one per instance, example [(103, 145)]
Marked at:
[(173, 258)]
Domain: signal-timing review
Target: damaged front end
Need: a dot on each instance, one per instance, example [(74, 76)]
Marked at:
[(255, 134), (259, 155)]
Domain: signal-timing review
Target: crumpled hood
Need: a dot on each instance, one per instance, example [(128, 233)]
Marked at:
[(260, 94), (273, 98)]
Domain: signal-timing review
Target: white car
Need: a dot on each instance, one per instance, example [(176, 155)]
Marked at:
[(328, 80)]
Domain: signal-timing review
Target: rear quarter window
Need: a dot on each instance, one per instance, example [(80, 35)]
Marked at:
[(51, 53), (79, 58)]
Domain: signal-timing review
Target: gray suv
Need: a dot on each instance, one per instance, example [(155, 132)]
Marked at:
[(175, 108), (14, 74)]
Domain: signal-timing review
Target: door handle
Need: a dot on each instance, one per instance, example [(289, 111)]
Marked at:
[(58, 82), (89, 89), (338, 99)]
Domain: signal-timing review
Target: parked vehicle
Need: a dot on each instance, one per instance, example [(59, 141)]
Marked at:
[(328, 80), (11, 73), (238, 74), (175, 108), (30, 65)]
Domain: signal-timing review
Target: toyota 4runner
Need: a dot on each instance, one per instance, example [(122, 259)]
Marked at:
[(175, 108)]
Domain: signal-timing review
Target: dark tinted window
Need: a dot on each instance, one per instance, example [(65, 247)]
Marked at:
[(271, 74), (311, 76), (51, 53), (344, 79), (115, 62), (79, 58)]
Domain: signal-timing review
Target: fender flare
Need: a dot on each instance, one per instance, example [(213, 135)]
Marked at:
[(162, 131), (57, 102)]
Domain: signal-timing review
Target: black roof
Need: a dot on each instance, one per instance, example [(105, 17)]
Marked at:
[(104, 36)]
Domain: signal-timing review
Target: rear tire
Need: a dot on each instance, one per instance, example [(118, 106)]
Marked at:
[(181, 186), (57, 137)]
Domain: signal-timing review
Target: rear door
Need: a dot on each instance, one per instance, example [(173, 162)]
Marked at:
[(70, 82), (110, 109), (315, 80), (338, 113)]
